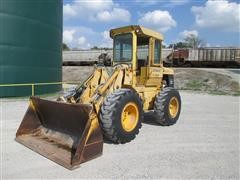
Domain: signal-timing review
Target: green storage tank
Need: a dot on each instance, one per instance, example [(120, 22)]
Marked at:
[(30, 45)]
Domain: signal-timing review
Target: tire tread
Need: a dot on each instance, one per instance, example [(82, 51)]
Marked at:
[(109, 110)]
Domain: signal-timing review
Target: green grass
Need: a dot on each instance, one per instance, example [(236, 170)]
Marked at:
[(196, 85), (202, 86), (236, 93)]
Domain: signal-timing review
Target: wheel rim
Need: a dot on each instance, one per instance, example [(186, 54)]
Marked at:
[(130, 116), (173, 107)]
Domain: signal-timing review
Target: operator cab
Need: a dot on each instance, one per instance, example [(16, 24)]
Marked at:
[(142, 53), (147, 45)]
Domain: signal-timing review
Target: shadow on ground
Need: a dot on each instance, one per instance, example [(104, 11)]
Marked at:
[(149, 118)]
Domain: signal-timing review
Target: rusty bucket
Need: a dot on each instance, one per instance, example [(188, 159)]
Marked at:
[(68, 134)]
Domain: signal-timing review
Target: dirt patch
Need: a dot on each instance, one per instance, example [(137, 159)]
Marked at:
[(204, 81), (185, 79), (76, 73)]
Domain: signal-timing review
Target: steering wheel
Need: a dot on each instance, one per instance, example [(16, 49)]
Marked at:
[(120, 64)]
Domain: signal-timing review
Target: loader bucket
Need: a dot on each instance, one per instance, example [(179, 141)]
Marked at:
[(67, 134)]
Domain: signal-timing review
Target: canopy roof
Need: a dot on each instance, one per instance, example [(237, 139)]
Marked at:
[(140, 30)]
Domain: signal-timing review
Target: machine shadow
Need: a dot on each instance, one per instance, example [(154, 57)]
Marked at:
[(149, 118), (106, 141)]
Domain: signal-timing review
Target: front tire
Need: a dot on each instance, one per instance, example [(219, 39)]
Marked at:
[(167, 106), (121, 115)]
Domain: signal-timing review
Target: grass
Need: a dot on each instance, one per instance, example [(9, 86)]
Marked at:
[(237, 93), (196, 85), (202, 86)]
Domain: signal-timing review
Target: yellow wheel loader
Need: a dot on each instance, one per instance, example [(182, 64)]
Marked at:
[(70, 131)]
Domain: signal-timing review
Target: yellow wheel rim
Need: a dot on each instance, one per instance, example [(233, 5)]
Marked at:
[(130, 116), (173, 107)]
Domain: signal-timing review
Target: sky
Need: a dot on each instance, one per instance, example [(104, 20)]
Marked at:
[(86, 23)]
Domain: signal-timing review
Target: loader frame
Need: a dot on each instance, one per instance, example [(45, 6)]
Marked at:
[(70, 131), (153, 76)]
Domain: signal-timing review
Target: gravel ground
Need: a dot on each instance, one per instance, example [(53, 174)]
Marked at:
[(204, 144)]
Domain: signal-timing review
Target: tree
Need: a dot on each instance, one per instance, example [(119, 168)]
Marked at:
[(194, 41), (179, 45), (191, 41), (65, 47), (94, 48)]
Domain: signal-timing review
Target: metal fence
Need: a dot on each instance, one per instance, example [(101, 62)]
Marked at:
[(33, 85)]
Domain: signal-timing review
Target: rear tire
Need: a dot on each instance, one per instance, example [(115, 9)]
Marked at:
[(121, 115), (167, 106)]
